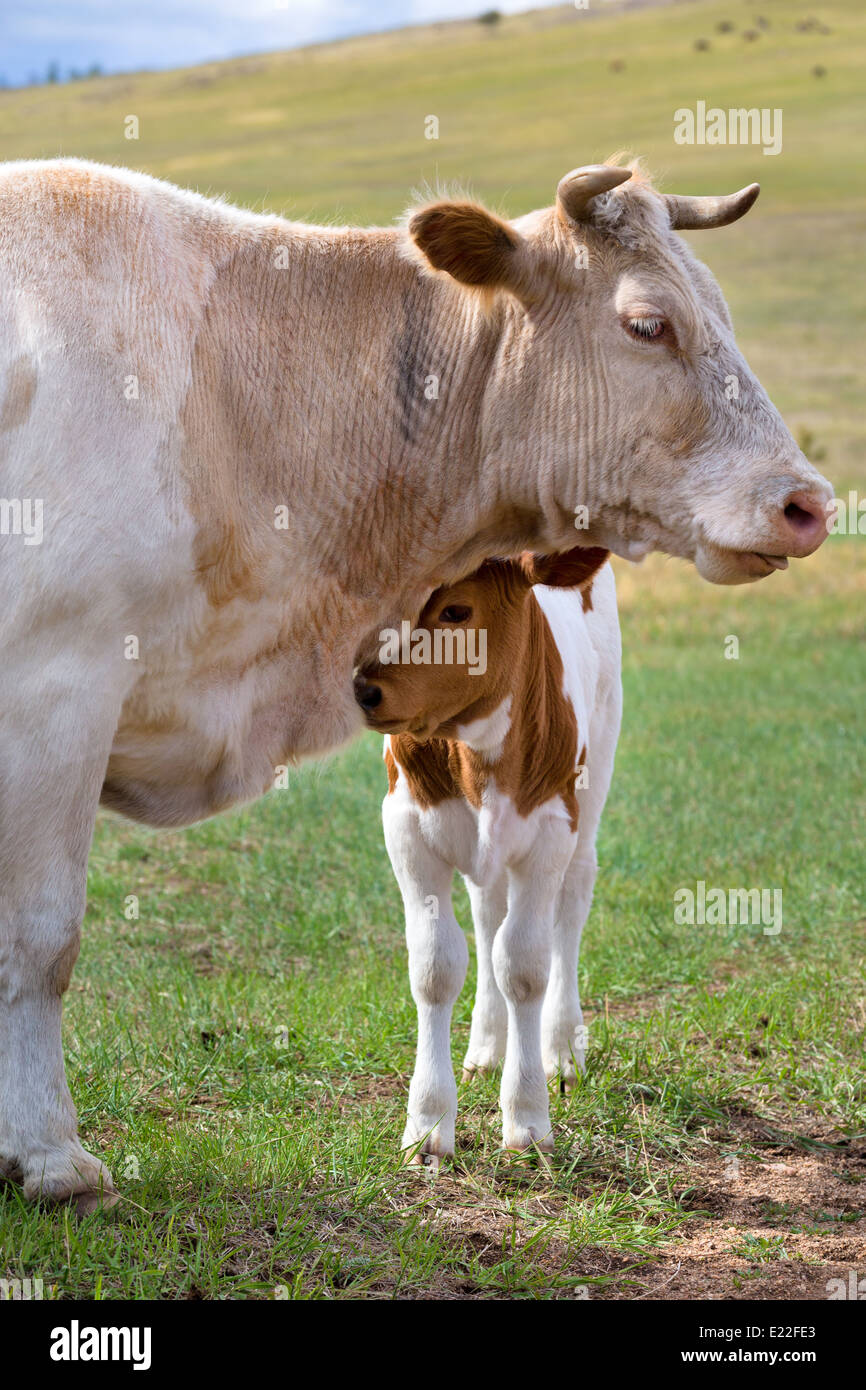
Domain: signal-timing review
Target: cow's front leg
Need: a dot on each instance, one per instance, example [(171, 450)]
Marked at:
[(39, 1143), (54, 744), (438, 957), (521, 961)]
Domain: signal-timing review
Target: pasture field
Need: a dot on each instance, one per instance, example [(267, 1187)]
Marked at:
[(240, 1051)]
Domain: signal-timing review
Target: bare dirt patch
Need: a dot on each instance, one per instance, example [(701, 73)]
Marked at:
[(779, 1226)]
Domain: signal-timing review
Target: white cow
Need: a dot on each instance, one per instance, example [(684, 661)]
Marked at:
[(502, 775)]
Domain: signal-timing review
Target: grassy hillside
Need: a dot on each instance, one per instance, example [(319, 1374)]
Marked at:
[(240, 1051), (338, 132)]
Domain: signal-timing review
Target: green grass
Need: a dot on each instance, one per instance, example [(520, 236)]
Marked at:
[(241, 1050)]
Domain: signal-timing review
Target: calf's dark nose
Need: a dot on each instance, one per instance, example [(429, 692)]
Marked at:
[(367, 695)]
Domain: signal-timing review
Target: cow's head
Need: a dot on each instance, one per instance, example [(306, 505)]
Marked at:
[(462, 655), (620, 377)]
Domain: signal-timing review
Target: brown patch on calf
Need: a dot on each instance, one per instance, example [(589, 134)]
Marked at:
[(538, 756), (391, 767), (540, 750), (434, 770)]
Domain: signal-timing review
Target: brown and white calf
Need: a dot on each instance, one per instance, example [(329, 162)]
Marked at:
[(501, 774)]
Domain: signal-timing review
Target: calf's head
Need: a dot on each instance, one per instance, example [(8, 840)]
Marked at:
[(465, 653), (620, 386)]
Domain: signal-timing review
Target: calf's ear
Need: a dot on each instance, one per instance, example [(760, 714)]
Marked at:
[(471, 245), (571, 570)]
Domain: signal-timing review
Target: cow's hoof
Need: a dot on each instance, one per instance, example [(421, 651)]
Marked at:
[(70, 1175), (430, 1153), (563, 1067), (88, 1203), (10, 1170)]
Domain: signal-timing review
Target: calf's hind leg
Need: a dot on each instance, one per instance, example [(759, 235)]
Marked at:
[(563, 1040), (563, 1037)]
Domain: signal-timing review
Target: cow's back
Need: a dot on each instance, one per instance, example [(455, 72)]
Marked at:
[(104, 275)]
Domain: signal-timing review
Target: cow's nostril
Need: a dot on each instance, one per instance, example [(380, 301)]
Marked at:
[(798, 516), (805, 522), (805, 511), (367, 695)]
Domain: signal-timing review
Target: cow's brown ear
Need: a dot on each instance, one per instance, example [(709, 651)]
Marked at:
[(571, 570), (470, 244)]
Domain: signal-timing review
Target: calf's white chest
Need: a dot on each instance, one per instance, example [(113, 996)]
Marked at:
[(483, 842)]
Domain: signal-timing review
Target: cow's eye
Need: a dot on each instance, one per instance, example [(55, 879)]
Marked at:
[(455, 613), (646, 328)]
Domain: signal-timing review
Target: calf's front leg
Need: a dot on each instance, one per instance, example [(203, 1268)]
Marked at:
[(438, 957), (489, 1018)]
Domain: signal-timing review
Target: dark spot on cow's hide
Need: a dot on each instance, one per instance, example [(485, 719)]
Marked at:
[(414, 363), (20, 390)]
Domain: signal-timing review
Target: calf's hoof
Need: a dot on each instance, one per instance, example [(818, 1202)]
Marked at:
[(417, 1158), (470, 1072), (533, 1138), (565, 1070), (563, 1080), (425, 1147)]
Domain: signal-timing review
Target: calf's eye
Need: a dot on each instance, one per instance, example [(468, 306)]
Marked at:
[(646, 328), (455, 613)]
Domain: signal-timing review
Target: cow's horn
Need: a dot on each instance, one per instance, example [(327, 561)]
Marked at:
[(688, 214), (576, 191)]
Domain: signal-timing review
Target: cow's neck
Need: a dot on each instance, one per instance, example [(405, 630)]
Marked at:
[(432, 402), (481, 462), (382, 410)]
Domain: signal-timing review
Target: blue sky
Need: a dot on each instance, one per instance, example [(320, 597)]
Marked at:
[(127, 34)]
